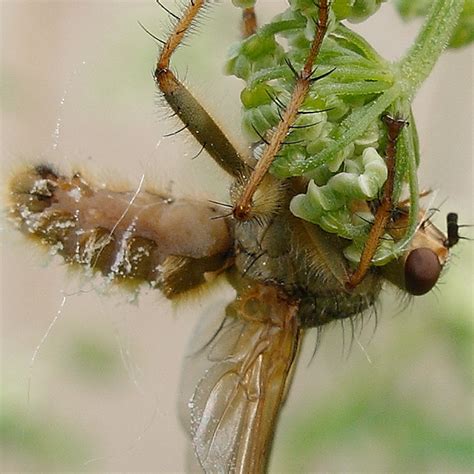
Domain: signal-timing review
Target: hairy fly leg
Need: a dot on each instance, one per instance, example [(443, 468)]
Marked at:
[(382, 215), (193, 115), (304, 79)]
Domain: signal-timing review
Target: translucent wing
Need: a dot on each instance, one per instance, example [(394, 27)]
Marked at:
[(235, 404)]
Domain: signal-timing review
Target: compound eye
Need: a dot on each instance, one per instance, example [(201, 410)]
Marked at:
[(422, 269)]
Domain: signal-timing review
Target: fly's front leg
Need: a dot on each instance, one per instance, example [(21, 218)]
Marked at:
[(243, 207), (382, 215), (186, 107)]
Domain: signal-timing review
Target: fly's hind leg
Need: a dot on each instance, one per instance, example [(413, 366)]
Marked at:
[(186, 107)]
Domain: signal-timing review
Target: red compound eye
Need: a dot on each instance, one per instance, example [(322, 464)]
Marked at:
[(422, 269)]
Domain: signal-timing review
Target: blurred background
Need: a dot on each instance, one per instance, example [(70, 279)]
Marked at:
[(91, 381)]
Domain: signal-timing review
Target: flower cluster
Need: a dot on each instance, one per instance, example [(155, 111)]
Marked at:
[(338, 135), (351, 74)]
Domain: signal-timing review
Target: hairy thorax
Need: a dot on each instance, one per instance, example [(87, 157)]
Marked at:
[(306, 262)]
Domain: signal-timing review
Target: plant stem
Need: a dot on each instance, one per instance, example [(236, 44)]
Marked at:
[(433, 38)]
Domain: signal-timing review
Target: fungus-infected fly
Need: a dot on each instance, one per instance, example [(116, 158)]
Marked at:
[(289, 274)]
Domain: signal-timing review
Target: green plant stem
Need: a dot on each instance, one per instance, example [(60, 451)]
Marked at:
[(431, 41)]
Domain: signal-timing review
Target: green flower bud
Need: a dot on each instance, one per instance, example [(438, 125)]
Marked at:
[(321, 175), (341, 189), (258, 45), (255, 96), (342, 8), (339, 222), (362, 9), (355, 10), (254, 124)]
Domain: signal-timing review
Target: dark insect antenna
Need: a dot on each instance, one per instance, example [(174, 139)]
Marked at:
[(453, 230)]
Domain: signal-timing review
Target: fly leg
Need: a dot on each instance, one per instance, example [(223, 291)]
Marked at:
[(243, 209), (193, 115), (384, 210), (249, 22)]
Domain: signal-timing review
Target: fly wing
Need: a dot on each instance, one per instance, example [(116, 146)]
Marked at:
[(235, 404)]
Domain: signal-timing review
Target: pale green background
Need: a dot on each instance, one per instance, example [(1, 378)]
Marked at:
[(87, 67)]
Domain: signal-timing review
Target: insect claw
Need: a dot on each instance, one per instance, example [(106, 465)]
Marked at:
[(394, 125)]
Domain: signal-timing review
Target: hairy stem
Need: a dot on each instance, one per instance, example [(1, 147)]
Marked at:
[(431, 41)]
